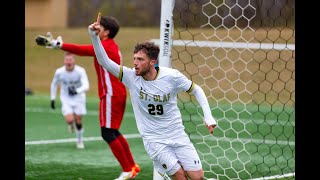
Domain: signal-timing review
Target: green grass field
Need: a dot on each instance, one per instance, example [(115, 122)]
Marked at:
[(63, 160), (50, 152), (253, 140)]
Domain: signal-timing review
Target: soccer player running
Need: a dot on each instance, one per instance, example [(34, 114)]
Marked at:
[(112, 94), (153, 92), (73, 82)]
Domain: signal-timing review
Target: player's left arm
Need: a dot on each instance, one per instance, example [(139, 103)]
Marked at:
[(84, 82), (199, 94), (184, 84)]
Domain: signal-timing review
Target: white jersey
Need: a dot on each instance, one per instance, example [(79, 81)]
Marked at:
[(77, 78), (155, 102)]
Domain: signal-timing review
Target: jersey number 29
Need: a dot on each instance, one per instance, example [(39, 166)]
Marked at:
[(153, 110)]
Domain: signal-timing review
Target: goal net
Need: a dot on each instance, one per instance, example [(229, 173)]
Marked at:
[(242, 53)]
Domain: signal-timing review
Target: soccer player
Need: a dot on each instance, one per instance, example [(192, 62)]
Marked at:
[(73, 82), (153, 92), (112, 94)]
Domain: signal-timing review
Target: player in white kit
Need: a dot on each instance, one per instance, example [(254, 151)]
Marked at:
[(73, 81), (153, 93)]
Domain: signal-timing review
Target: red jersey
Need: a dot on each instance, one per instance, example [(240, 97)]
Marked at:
[(107, 82)]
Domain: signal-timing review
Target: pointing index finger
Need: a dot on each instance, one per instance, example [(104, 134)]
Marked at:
[(99, 17)]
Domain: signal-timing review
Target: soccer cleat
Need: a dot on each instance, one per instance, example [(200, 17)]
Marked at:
[(126, 175), (80, 145), (136, 168)]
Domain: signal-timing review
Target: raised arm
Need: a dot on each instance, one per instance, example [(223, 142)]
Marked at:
[(202, 100), (101, 54)]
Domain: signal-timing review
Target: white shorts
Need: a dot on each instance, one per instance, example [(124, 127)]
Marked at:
[(169, 155), (78, 109)]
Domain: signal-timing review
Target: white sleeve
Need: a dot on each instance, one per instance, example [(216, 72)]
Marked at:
[(54, 86), (127, 76), (183, 83), (102, 56), (203, 101), (84, 82)]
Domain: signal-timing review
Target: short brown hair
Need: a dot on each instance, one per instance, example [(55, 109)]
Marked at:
[(151, 50)]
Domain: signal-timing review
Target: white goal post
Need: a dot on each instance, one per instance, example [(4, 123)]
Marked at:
[(164, 59), (166, 30)]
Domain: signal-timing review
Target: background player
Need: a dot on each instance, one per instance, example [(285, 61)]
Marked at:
[(73, 82)]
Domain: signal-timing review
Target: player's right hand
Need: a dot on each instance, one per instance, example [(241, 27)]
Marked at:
[(52, 104), (95, 27)]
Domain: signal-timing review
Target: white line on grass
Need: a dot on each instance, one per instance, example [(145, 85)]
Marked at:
[(131, 136), (276, 176), (48, 110), (56, 141), (93, 112)]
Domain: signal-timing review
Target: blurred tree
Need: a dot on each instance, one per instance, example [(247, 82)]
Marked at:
[(128, 12)]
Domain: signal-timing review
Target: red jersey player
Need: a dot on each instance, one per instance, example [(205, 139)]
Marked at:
[(112, 94)]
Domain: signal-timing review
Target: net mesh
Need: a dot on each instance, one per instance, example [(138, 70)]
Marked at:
[(242, 54)]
